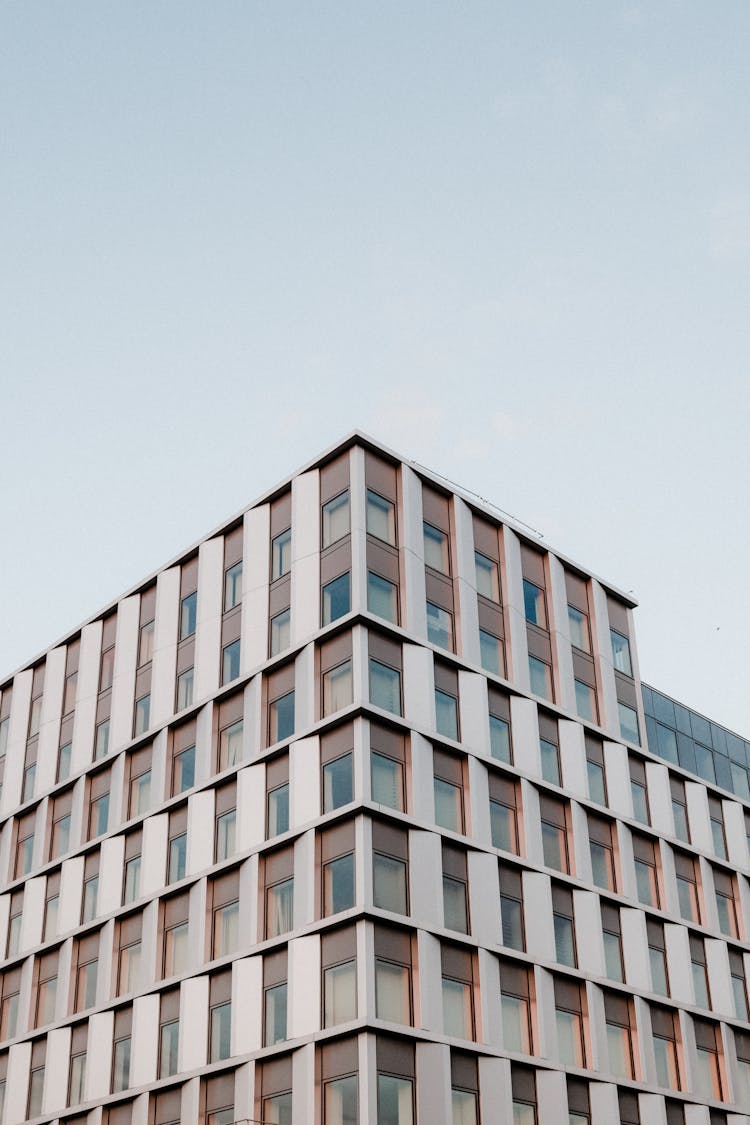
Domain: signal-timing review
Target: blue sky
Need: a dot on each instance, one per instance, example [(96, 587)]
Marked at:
[(511, 240)]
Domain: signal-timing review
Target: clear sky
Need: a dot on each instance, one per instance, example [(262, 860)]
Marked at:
[(511, 240)]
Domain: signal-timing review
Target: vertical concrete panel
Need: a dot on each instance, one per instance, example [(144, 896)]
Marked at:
[(698, 818), (677, 944), (609, 715), (626, 882), (635, 949), (734, 829), (422, 779), (358, 517), (32, 919), (304, 879), (428, 994), (200, 831), (466, 580), (249, 898), (552, 1096), (366, 993), (531, 824), (256, 546), (605, 1108), (573, 758), (191, 1102), (434, 1083), (305, 686), (479, 803), (617, 772), (151, 947), (598, 1037), (525, 728), (251, 807), (16, 750), (547, 1046), (490, 1021), (540, 934), (495, 1091), (123, 683), (643, 1045), (719, 977), (697, 1114), (204, 752), (305, 581), (56, 1065), (86, 695), (581, 848), (40, 825), (253, 718), (709, 913), (208, 625), (415, 616), (557, 600), (4, 920), (474, 712), (145, 1040), (669, 897), (17, 1084), (588, 929), (71, 888), (304, 781), (49, 730), (304, 986), (99, 1055), (164, 661), (193, 1023), (247, 1005), (368, 1094), (111, 872), (426, 879), (154, 853), (659, 798), (652, 1109), (518, 662), (419, 687), (483, 900), (360, 666), (303, 1082), (159, 763)]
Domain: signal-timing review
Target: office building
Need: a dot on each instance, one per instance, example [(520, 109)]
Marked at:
[(357, 811)]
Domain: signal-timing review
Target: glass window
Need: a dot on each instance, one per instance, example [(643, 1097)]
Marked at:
[(687, 894), (640, 802), (282, 718), (439, 626), (612, 955), (77, 1080), (436, 549), (101, 749), (523, 1113), (90, 899), (278, 1109), (602, 865), (280, 631), (619, 1050), (382, 597), (130, 965), (665, 1054), (121, 1065), (61, 836), (554, 846), (340, 1101), (221, 1030), (565, 944), (392, 992), (500, 739), (86, 983), (338, 884), (597, 782), (177, 857), (381, 517), (188, 610), (585, 702), (540, 678), (230, 662), (185, 689), (337, 688), (184, 770), (385, 687), (275, 1029), (142, 715), (707, 1073), (569, 1037), (463, 1107), (448, 812), (232, 586), (146, 644), (457, 1011), (579, 629), (51, 911), (455, 912), (621, 653), (511, 913), (280, 908), (336, 598), (340, 993), (335, 519), (281, 554), (533, 602), (29, 777), (176, 949), (395, 1100), (726, 913), (140, 794), (278, 811), (338, 787), (168, 1048), (658, 961), (489, 652), (503, 827), (515, 1017), (230, 745), (629, 724), (387, 781), (63, 768), (488, 584), (132, 879), (99, 815), (226, 929), (446, 714), (550, 756), (226, 835), (389, 883)]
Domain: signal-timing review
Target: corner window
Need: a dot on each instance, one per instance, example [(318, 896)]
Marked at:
[(389, 883), (281, 554), (335, 519), (338, 885), (392, 991), (381, 517), (340, 1101), (336, 598)]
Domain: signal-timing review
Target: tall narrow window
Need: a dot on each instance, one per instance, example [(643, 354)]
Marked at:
[(569, 1022), (679, 809), (389, 867), (336, 598), (335, 519), (458, 992), (726, 907), (617, 1015), (515, 1006), (595, 770), (448, 791), (511, 908), (504, 813), (338, 956), (232, 586), (387, 764), (699, 972), (564, 926), (612, 938), (663, 1026), (554, 833), (646, 871), (500, 739), (455, 889), (602, 853), (638, 790), (708, 1070), (393, 964), (716, 816), (657, 956), (534, 604), (439, 626), (220, 1016), (621, 653), (687, 887), (739, 987), (549, 748), (281, 554), (337, 868)]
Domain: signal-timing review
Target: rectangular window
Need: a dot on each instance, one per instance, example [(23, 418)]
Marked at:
[(687, 887), (707, 1071), (335, 519), (280, 908), (646, 871), (511, 908), (395, 1100), (504, 826), (448, 791), (176, 949), (699, 972), (455, 896), (221, 1028), (554, 834), (339, 993), (77, 1078), (121, 1065), (657, 956), (578, 624), (612, 941), (679, 809), (389, 868), (663, 1026), (602, 853), (621, 653), (275, 1002), (489, 653), (540, 678), (550, 757), (188, 615), (64, 760), (638, 790), (185, 689), (439, 626), (457, 1009), (230, 745), (132, 887), (336, 598), (281, 554), (381, 517), (146, 644), (337, 688), (446, 714), (564, 926), (629, 724), (232, 586), (385, 687), (515, 1007), (534, 604), (338, 885), (101, 747), (142, 715), (282, 718), (387, 781), (230, 662), (487, 578), (169, 1041), (278, 811), (226, 835), (183, 770), (99, 816), (436, 554), (177, 858), (739, 989), (619, 1036), (338, 786), (569, 1022), (392, 975), (500, 740), (585, 702), (716, 816), (280, 632), (725, 903), (226, 919)]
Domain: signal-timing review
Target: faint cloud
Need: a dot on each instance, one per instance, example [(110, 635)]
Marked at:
[(729, 227)]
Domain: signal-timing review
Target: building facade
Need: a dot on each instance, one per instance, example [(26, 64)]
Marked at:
[(357, 812)]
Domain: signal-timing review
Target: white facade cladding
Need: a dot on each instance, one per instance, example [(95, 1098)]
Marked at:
[(354, 813)]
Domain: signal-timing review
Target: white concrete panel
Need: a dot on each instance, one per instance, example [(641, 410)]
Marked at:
[(144, 1051), (419, 687), (249, 898), (205, 766), (4, 920), (303, 1083), (698, 817), (697, 1114), (597, 1035), (247, 1005), (32, 919), (635, 949), (531, 825), (71, 889), (652, 1109), (360, 666), (525, 731), (56, 1063), (305, 580), (49, 729), (474, 712), (367, 1078), (547, 1046), (581, 847), (154, 853), (735, 832), (208, 625), (489, 1016), (466, 576), (643, 1042), (111, 872), (434, 1083), (588, 929), (540, 934), (193, 1023), (16, 750), (573, 757), (427, 983), (609, 715), (362, 864), (478, 812), (191, 1104), (557, 605), (677, 944), (304, 986), (415, 616), (483, 900), (605, 1108), (139, 1110), (105, 975), (200, 831), (659, 798), (159, 761), (87, 691), (304, 879), (151, 950), (123, 684), (518, 656), (358, 518), (17, 1084), (719, 977), (304, 781), (668, 889), (366, 1008), (99, 1055), (253, 718), (304, 689), (426, 879), (495, 1091), (164, 660), (617, 772), (709, 913), (627, 884), (256, 548), (551, 1095), (251, 807), (422, 779)]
